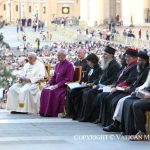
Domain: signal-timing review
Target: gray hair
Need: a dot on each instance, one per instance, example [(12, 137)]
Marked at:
[(62, 51)]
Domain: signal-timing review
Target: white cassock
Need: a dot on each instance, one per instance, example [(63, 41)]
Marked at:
[(119, 109), (27, 93)]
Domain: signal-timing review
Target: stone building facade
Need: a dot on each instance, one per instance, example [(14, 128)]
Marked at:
[(46, 10)]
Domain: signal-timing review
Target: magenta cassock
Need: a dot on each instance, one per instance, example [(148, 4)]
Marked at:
[(52, 102)]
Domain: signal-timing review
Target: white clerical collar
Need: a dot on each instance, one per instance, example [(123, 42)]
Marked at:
[(90, 72)]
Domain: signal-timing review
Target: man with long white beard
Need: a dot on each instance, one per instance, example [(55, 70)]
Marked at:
[(109, 65), (23, 96), (106, 59), (110, 68)]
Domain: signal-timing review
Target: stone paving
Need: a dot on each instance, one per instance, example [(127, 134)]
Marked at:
[(28, 132), (15, 39)]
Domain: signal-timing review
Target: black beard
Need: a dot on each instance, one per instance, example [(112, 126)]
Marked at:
[(140, 68)]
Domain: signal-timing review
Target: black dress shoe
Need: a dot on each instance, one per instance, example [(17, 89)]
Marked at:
[(96, 122), (81, 120), (15, 112), (111, 128), (66, 116)]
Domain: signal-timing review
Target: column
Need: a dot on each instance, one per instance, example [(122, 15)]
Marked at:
[(84, 10), (112, 10), (92, 11), (132, 9), (51, 10)]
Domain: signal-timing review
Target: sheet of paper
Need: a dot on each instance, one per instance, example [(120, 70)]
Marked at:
[(107, 89), (100, 89), (120, 88), (101, 86), (49, 88), (74, 85)]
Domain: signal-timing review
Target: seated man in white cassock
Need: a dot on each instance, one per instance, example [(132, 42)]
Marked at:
[(23, 97)]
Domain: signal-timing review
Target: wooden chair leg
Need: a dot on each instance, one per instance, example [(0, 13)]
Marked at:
[(148, 122)]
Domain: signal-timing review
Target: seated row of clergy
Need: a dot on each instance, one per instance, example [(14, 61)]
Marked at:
[(26, 91), (120, 108), (25, 96), (83, 103), (52, 98)]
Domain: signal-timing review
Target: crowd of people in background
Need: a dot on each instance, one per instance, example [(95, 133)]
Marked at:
[(66, 21), (115, 78), (15, 59), (35, 23), (112, 74)]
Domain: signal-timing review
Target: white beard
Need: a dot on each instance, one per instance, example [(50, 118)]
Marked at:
[(105, 64)]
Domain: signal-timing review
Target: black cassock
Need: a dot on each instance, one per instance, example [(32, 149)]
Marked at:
[(75, 97), (127, 120), (140, 107), (88, 105), (110, 102), (128, 124), (104, 101), (88, 96), (70, 93), (82, 63)]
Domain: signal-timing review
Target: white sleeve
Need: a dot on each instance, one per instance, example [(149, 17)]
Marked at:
[(146, 84), (23, 70), (143, 86), (40, 75)]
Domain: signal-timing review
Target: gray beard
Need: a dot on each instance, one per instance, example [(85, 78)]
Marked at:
[(105, 64)]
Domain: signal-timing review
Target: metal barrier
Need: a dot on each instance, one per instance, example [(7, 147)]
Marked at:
[(129, 41)]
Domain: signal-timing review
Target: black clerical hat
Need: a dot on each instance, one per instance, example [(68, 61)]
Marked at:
[(143, 54), (110, 50)]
